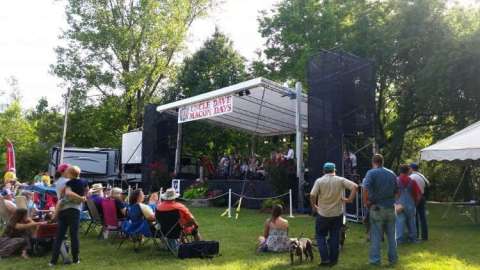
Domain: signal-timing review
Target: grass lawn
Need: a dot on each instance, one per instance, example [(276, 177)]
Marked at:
[(454, 244)]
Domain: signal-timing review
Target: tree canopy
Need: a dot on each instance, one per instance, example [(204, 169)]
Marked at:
[(124, 48)]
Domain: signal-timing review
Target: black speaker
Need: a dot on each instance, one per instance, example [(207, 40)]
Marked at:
[(158, 148), (341, 102)]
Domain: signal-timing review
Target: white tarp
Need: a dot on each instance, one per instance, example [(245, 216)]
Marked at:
[(463, 145), (132, 147)]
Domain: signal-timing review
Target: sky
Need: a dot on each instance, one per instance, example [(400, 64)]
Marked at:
[(29, 31)]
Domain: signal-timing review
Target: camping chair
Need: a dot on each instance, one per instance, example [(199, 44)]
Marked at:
[(21, 202), (168, 229), (95, 219), (110, 220), (135, 227), (43, 237)]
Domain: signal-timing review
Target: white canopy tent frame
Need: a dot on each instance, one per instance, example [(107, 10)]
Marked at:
[(463, 146), (261, 107)]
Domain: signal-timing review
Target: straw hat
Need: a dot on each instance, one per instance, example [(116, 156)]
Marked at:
[(117, 191), (96, 188), (170, 195)]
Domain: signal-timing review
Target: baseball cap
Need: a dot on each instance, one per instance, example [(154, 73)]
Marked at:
[(414, 166), (329, 166), (63, 167)]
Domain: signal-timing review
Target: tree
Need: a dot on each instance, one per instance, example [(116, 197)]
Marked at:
[(14, 127), (215, 65), (124, 47), (415, 46)]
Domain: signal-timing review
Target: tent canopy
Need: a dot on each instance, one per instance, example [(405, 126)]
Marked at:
[(260, 106), (463, 145)]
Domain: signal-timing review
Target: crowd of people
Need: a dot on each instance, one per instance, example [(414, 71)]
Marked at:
[(237, 167), (136, 213), (395, 206)]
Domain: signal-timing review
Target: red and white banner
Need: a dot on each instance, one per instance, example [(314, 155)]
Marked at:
[(10, 157), (205, 109)]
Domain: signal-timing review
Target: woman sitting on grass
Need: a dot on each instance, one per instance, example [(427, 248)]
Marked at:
[(275, 235), (17, 234)]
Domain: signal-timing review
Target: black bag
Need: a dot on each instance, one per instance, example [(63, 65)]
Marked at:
[(198, 249)]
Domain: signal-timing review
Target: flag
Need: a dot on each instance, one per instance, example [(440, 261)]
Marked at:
[(10, 157)]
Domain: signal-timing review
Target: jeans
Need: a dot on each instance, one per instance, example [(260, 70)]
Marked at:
[(380, 219), (422, 219), (328, 226), (67, 219), (406, 220)]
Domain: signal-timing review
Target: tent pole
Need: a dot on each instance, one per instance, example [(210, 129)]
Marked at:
[(299, 144), (455, 193), (178, 150)]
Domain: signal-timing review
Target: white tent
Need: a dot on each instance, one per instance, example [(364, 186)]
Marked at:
[(463, 145)]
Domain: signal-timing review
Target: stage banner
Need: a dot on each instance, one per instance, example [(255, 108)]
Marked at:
[(10, 157), (205, 109)]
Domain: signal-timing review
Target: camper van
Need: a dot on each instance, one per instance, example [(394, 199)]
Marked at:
[(97, 164)]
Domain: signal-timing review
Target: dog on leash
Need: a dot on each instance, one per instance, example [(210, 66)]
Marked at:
[(300, 247)]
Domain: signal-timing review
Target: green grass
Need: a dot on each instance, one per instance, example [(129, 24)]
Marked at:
[(454, 244)]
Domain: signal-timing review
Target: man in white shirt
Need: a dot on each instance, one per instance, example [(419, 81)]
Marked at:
[(327, 200), (290, 153), (423, 184)]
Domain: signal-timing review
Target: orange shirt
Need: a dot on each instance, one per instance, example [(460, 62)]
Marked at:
[(185, 215)]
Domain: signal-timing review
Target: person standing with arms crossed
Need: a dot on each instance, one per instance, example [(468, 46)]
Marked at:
[(327, 200), (380, 192)]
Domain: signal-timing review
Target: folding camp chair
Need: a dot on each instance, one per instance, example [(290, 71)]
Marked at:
[(110, 220), (168, 229), (21, 202), (95, 219), (43, 236)]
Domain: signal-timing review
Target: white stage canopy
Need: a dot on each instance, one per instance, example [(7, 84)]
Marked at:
[(258, 106), (463, 145)]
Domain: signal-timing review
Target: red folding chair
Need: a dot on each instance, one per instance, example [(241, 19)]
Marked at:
[(44, 235), (110, 219)]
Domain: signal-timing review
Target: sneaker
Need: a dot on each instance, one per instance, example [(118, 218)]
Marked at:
[(324, 264), (76, 262), (51, 264)]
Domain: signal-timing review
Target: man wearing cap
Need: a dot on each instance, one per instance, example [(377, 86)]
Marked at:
[(380, 192), (187, 221), (326, 198), (421, 217)]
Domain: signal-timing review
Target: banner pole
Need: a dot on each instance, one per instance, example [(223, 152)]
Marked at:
[(229, 203), (290, 200)]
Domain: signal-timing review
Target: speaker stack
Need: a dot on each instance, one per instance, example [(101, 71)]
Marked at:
[(341, 106)]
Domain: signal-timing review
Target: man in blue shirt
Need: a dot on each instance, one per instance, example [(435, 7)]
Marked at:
[(380, 187)]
